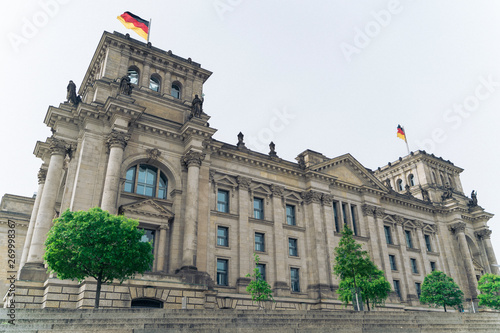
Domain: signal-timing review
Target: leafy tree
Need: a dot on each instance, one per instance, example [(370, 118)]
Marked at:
[(489, 285), (358, 274), (96, 244), (439, 289), (258, 287)]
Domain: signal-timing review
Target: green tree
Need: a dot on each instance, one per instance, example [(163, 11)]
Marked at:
[(358, 274), (96, 244), (258, 288), (439, 289), (489, 285)]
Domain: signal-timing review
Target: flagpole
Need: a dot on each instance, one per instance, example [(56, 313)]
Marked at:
[(406, 141), (149, 28)]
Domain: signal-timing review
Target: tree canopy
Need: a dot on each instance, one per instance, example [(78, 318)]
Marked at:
[(439, 289), (258, 288), (358, 273), (489, 285), (96, 244)]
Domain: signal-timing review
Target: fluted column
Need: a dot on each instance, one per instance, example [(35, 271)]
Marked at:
[(485, 235), (58, 149), (405, 259), (245, 238), (459, 230), (42, 174), (116, 142), (280, 256), (192, 160), (160, 263), (426, 266), (375, 241)]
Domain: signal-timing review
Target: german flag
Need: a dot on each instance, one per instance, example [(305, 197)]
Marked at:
[(134, 22), (401, 133)]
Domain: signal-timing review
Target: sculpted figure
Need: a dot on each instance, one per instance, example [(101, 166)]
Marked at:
[(473, 200), (197, 107), (71, 93), (125, 85)]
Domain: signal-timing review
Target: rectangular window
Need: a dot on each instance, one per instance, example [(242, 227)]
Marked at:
[(409, 243), (414, 267), (295, 279), (260, 246), (222, 236), (354, 221), (336, 216), (388, 237), (433, 266), (392, 262), (262, 271), (428, 242), (396, 287), (290, 214), (344, 213), (418, 289), (292, 247), (223, 201), (222, 272), (258, 208)]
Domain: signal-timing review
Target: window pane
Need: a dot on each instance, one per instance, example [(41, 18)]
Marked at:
[(290, 215), (408, 239), (176, 91), (295, 280), (292, 247), (433, 266), (223, 201), (222, 272), (163, 185), (146, 180), (392, 261), (154, 84), (262, 271), (259, 242), (133, 75), (258, 208), (388, 237), (354, 222), (428, 242), (336, 217), (149, 236), (396, 287), (222, 236), (129, 180)]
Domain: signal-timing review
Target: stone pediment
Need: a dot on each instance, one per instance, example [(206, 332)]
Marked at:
[(348, 170), (148, 207), (226, 180)]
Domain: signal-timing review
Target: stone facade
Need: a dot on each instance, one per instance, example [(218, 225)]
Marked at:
[(209, 205)]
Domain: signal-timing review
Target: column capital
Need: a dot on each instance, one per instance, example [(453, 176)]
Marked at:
[(419, 224), (399, 219), (42, 174), (164, 227), (193, 158), (277, 190), (483, 234), (311, 196), (327, 199), (117, 139), (243, 182), (58, 146), (457, 227), (368, 210), (379, 212)]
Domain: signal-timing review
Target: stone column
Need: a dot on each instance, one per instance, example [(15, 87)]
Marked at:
[(160, 263), (46, 212), (116, 141), (42, 174), (329, 239), (375, 241), (245, 237), (192, 160), (405, 259), (426, 265), (459, 230), (280, 287), (485, 235)]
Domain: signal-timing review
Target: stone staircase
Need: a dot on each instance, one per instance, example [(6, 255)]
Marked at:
[(226, 321)]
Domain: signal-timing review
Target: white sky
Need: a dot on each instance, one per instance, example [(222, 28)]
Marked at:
[(283, 57)]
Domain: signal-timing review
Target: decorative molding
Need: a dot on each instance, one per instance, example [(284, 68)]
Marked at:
[(457, 227), (483, 234), (58, 146), (153, 153), (117, 139), (277, 190), (311, 196), (368, 210), (244, 182), (42, 174), (193, 158), (419, 224), (379, 212), (399, 219), (327, 199)]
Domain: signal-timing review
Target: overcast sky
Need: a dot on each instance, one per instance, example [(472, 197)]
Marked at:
[(332, 76)]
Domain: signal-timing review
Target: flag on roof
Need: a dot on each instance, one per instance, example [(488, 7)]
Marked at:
[(401, 133), (134, 22)]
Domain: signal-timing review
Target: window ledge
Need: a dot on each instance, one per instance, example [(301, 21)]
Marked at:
[(293, 257), (216, 212), (362, 238), (411, 249), (254, 220), (433, 253), (394, 246), (223, 247), (293, 227)]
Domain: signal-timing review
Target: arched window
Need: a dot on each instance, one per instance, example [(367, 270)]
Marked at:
[(154, 83), (146, 180), (433, 175), (176, 90), (400, 184), (133, 74), (442, 180), (450, 181), (411, 180)]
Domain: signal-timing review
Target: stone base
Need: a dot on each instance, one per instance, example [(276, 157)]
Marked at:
[(320, 290), (242, 283), (191, 275), (33, 272), (281, 288)]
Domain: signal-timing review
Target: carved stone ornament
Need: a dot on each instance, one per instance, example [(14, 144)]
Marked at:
[(277, 190), (240, 144), (457, 227), (244, 182), (483, 234), (42, 174), (193, 158), (399, 219), (153, 153), (311, 196), (211, 176), (58, 146), (379, 213), (368, 210), (418, 224), (117, 139), (327, 199)]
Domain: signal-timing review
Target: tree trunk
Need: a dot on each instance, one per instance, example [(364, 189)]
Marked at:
[(444, 307), (368, 305), (98, 293)]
